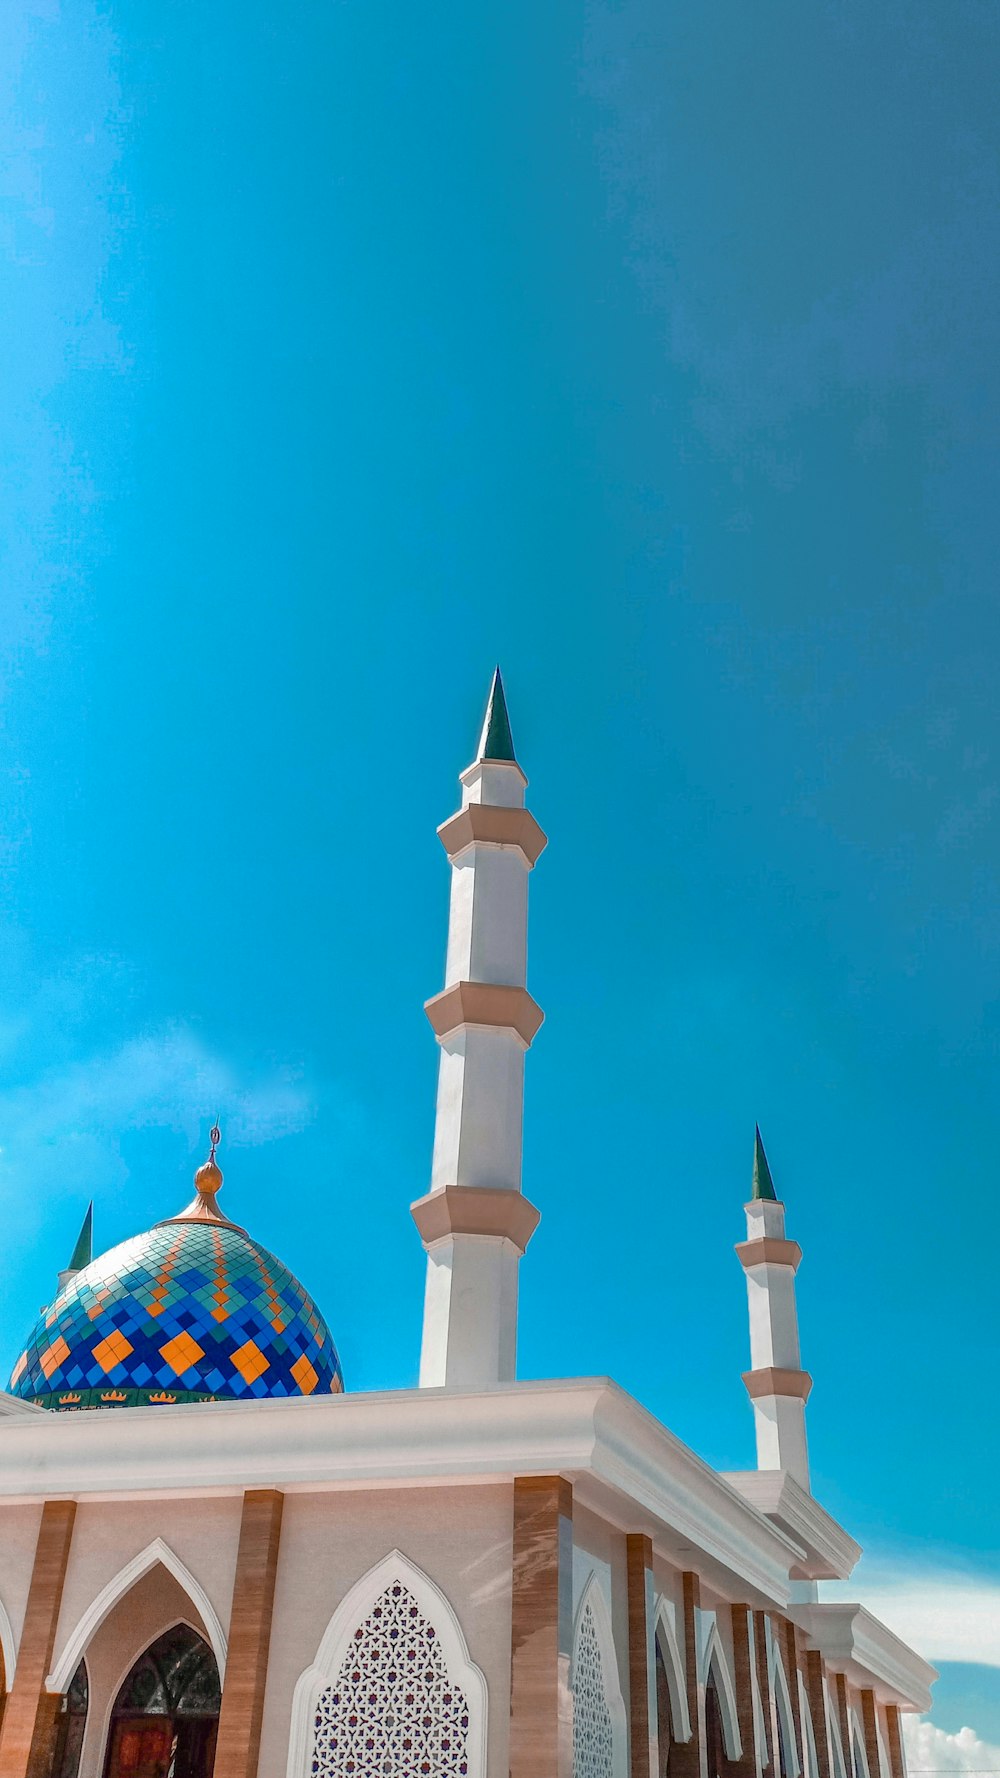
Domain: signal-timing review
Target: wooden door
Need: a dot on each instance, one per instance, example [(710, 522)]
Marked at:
[(141, 1747)]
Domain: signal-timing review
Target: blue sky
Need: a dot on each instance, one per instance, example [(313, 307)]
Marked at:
[(652, 350)]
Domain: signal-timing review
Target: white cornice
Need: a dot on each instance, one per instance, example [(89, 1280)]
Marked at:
[(854, 1642), (11, 1407), (620, 1459), (831, 1553)]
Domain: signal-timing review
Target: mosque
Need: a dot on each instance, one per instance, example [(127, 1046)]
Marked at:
[(214, 1559)]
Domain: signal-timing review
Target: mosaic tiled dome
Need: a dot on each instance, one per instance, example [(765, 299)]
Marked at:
[(194, 1310)]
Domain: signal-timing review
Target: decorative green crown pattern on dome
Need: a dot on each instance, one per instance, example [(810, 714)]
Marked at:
[(191, 1311)]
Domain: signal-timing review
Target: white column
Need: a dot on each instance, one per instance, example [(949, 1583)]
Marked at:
[(474, 1221)]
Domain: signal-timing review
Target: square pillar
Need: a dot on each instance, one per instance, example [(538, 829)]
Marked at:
[(869, 1728), (768, 1754), (818, 1713), (30, 1716), (897, 1758), (643, 1736), (843, 1709), (541, 1629), (238, 1745), (746, 1765), (788, 1643)]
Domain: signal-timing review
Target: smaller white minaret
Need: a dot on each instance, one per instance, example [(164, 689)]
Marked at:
[(474, 1221), (776, 1383)]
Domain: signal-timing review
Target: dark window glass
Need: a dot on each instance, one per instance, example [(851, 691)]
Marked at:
[(177, 1676), (70, 1726)]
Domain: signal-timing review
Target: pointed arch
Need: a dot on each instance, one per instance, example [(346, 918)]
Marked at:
[(120, 1584), (786, 1715), (714, 1663), (838, 1754), (810, 1763), (8, 1648), (593, 1630), (339, 1634), (673, 1666), (858, 1745)]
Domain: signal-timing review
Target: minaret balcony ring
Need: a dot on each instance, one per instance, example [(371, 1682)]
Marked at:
[(491, 825), (484, 1003)]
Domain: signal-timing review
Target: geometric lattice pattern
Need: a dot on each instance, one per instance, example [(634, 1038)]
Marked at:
[(593, 1727), (190, 1311), (392, 1711)]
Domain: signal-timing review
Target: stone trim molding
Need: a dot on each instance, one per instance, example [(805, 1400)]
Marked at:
[(714, 1661), (769, 1250), (121, 1583), (475, 1210), (775, 1380), (490, 824), (484, 1003), (673, 1666)]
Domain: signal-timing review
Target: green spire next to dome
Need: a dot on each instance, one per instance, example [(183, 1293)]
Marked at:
[(496, 740), (763, 1184), (83, 1252)]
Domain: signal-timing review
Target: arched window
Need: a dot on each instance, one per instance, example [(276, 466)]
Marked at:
[(598, 1706), (397, 1693), (593, 1728), (166, 1715), (70, 1725)]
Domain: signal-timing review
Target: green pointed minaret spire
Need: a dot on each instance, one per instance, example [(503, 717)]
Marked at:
[(83, 1252), (763, 1184), (496, 741)]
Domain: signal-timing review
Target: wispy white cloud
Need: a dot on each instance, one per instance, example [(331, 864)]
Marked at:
[(929, 1750), (61, 1132)]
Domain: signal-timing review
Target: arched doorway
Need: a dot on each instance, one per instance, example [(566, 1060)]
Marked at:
[(166, 1715), (71, 1724)]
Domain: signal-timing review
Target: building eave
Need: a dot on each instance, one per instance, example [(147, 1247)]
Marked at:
[(831, 1553), (855, 1643)]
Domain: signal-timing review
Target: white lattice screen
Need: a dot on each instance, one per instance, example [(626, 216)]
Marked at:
[(392, 1711), (593, 1727)]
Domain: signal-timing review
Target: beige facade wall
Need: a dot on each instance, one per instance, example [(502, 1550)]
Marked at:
[(460, 1537), (18, 1537), (202, 1533)]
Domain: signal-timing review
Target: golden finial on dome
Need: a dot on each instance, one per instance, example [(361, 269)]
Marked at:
[(208, 1178), (208, 1181)]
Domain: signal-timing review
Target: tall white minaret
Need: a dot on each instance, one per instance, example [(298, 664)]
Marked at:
[(474, 1221), (776, 1383)]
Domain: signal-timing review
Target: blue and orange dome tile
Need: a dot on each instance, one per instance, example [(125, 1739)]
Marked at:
[(193, 1310)]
